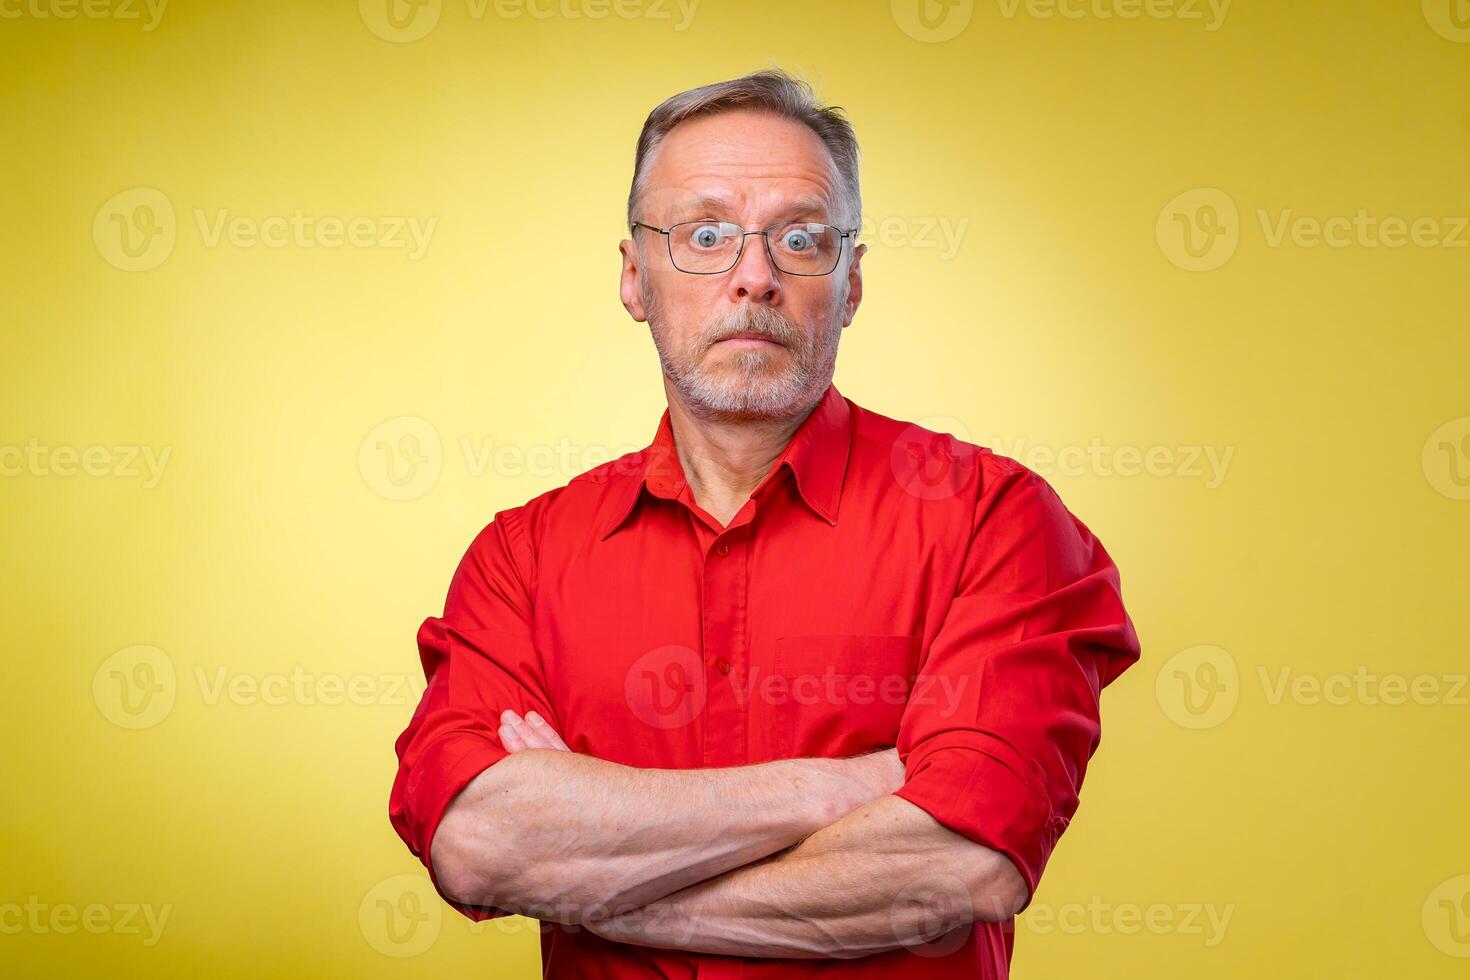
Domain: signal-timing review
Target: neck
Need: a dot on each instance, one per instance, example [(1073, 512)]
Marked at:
[(725, 459)]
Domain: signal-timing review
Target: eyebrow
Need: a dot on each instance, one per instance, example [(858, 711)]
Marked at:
[(712, 206)]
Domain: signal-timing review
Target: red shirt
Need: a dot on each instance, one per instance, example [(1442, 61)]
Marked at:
[(884, 585)]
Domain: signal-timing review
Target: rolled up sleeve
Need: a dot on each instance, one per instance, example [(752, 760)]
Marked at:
[(1004, 715), (478, 659)]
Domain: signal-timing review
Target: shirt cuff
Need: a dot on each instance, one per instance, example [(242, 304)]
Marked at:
[(432, 783), (977, 786)]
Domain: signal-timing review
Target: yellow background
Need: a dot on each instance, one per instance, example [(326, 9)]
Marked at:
[(1333, 545)]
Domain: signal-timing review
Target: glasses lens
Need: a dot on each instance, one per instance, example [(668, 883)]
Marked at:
[(704, 246), (806, 248), (802, 248)]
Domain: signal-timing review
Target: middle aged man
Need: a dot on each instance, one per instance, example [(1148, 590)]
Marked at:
[(797, 690)]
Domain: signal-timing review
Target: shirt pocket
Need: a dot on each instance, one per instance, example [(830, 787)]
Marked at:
[(837, 694)]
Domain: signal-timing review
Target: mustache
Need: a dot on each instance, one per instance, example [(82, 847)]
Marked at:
[(762, 321)]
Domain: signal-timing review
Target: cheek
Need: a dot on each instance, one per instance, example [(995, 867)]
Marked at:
[(819, 311), (817, 295), (678, 291), (688, 308)]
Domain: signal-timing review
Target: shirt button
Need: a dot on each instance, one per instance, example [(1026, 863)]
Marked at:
[(722, 665), (722, 549)]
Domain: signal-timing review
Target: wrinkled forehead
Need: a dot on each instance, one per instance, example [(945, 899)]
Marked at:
[(746, 167)]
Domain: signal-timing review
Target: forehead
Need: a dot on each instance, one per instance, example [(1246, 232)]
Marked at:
[(756, 164)]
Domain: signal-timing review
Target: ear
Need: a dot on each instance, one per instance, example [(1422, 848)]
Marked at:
[(854, 284), (628, 283)]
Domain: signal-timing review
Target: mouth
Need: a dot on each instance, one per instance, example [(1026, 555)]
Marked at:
[(749, 339)]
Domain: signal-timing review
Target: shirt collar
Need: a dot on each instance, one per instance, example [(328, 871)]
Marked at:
[(816, 455)]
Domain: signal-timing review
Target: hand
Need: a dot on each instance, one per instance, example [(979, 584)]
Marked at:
[(531, 732)]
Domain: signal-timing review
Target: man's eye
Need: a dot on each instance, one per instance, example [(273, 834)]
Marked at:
[(798, 240), (707, 236)]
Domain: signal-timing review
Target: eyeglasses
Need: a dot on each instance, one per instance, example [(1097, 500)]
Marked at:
[(708, 247)]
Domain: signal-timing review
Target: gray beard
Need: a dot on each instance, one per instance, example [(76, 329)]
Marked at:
[(748, 385)]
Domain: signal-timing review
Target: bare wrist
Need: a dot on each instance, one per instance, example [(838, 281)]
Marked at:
[(886, 770), (842, 785)]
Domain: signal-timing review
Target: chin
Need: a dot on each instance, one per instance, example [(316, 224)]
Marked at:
[(745, 397)]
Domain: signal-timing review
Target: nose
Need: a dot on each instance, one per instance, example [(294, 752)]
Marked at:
[(754, 279)]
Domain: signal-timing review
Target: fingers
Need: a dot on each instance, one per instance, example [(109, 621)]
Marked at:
[(510, 733), (531, 732), (542, 728)]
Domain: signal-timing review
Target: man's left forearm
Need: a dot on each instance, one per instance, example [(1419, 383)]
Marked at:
[(884, 876)]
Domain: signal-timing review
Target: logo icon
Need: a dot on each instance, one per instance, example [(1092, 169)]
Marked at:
[(932, 21), (400, 21), (1199, 230), (930, 463), (1446, 458), (402, 458), (135, 687), (944, 913), (1199, 687), (1446, 917), (1450, 19), (400, 916), (665, 688), (135, 230)]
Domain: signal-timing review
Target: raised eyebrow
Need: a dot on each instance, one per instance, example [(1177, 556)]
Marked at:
[(807, 207), (718, 208), (704, 207)]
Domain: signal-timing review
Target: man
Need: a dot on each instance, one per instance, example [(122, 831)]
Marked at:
[(797, 689)]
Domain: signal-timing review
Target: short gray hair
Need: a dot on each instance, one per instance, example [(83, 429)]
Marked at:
[(771, 90)]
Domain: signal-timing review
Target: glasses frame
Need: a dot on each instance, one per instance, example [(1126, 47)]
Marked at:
[(744, 234)]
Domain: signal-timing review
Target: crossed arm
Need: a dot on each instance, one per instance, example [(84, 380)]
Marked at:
[(820, 858), (793, 858)]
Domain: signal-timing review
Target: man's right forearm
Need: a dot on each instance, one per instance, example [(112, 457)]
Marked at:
[(568, 837)]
